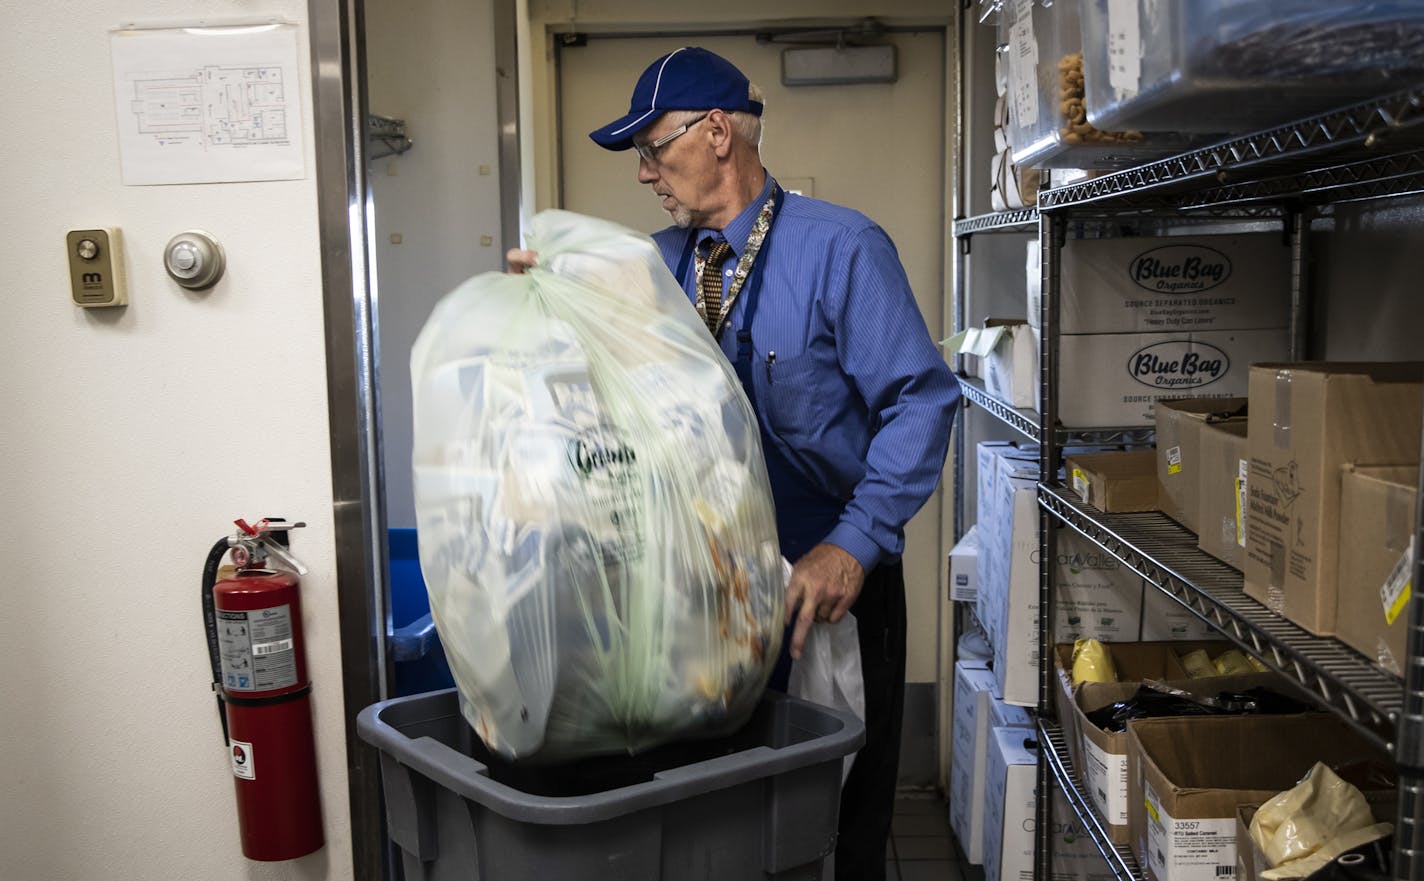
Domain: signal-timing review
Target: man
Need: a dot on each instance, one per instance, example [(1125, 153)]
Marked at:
[(810, 303)]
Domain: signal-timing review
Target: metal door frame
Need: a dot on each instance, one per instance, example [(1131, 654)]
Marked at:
[(350, 299)]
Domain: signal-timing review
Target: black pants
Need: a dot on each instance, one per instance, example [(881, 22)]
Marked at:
[(868, 798)]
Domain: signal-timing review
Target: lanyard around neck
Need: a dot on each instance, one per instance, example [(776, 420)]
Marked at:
[(760, 228)]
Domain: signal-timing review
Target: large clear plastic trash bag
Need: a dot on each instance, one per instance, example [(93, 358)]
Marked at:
[(595, 523)]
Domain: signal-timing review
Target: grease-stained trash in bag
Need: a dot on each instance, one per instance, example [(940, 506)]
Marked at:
[(595, 523)]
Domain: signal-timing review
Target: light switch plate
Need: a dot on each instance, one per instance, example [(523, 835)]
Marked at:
[(96, 267)]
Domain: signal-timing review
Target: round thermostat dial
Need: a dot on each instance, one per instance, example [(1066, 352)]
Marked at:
[(194, 259)]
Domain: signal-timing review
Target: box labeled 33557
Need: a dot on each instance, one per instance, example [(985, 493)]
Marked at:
[(1186, 777)]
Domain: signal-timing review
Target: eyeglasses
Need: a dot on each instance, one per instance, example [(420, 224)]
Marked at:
[(649, 152)]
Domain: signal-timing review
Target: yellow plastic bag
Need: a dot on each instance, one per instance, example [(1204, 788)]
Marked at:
[(1308, 818), (595, 523), (1198, 664), (1092, 662), (1232, 662)]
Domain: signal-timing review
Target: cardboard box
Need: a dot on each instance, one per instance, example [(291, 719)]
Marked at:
[(986, 454), (1098, 596), (1115, 483), (1008, 792), (1075, 856), (1009, 818), (1013, 592), (994, 539), (964, 568), (1377, 520), (1222, 490), (1063, 696), (974, 344), (1133, 661), (1103, 770), (1166, 620), (1006, 351), (1115, 379), (1033, 281), (1192, 283), (1002, 715), (986, 564), (1250, 861), (1179, 424), (1194, 772), (973, 683), (1306, 421)]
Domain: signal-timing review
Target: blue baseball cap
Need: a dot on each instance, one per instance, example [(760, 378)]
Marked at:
[(689, 78)]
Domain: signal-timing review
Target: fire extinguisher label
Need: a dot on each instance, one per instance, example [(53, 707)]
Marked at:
[(257, 649), (244, 763)]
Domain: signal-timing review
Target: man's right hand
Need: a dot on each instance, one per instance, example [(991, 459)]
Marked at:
[(520, 260), (823, 586)]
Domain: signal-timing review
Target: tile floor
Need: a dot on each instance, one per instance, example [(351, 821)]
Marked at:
[(921, 846)]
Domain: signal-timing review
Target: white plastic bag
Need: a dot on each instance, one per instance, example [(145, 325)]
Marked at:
[(595, 524), (828, 671), (1303, 828)]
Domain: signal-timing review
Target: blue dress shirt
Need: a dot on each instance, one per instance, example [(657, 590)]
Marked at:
[(858, 400)]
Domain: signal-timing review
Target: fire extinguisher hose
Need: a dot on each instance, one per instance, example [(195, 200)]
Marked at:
[(210, 620)]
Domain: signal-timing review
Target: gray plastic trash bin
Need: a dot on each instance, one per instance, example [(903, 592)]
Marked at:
[(761, 804)]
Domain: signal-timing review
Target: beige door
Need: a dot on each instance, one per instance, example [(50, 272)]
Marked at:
[(877, 148)]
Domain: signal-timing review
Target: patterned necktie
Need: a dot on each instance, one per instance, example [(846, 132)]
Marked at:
[(712, 285)]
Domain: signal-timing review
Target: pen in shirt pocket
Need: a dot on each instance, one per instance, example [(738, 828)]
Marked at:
[(770, 360)]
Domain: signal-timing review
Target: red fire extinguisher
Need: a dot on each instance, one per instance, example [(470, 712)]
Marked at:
[(255, 645)]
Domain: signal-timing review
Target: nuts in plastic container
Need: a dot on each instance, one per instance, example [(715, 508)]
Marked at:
[(1075, 128)]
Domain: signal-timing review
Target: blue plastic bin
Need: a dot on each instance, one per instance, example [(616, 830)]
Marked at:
[(420, 663)]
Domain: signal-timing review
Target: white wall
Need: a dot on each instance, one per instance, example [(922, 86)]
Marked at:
[(431, 63), (1366, 274), (130, 440)]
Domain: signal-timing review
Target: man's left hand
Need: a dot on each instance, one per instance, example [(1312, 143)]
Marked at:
[(824, 585)]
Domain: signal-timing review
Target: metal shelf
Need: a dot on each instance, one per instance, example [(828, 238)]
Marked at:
[(1361, 151), (1026, 422), (1055, 751), (1166, 555), (1143, 221), (1393, 175), (1014, 220), (1288, 175)]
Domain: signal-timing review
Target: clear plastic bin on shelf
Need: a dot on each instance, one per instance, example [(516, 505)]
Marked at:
[(1048, 126), (1229, 66)]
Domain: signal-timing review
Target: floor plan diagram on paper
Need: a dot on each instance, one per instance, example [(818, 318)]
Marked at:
[(218, 106), (208, 104)]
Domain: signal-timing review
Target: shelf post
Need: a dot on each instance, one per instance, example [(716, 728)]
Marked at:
[(1409, 744), (1298, 231), (1050, 238), (961, 294)]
